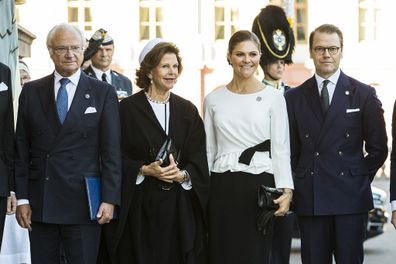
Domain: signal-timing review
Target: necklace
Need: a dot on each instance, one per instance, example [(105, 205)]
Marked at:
[(156, 101)]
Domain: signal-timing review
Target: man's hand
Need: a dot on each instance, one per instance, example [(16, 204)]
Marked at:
[(24, 215), (11, 204), (393, 220), (105, 213)]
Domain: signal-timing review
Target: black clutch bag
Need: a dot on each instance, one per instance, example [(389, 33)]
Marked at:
[(265, 217), (166, 149)]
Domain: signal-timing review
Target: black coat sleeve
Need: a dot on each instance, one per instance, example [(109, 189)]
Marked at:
[(8, 138), (393, 158), (374, 134)]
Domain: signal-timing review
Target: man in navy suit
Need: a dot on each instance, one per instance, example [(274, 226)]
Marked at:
[(6, 146), (338, 142), (100, 51), (66, 131)]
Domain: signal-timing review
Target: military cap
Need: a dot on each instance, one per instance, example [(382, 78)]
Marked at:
[(275, 34), (99, 38)]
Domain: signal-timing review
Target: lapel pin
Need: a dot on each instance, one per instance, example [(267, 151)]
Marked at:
[(258, 99), (87, 96), (346, 92)]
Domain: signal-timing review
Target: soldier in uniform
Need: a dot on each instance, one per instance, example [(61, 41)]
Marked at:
[(277, 45), (100, 51)]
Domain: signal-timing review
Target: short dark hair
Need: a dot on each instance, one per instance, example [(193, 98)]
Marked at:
[(329, 29), (152, 59), (240, 36)]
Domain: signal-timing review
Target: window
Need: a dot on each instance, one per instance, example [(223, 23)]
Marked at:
[(300, 23), (150, 15), (226, 19), (79, 14), (369, 11)]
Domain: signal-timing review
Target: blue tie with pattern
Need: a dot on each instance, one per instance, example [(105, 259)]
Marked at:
[(61, 100)]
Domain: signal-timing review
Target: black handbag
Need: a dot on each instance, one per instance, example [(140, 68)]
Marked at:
[(166, 149), (265, 217)]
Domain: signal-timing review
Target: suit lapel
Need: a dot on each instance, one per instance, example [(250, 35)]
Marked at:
[(313, 99), (115, 81), (90, 72), (340, 99), (81, 100), (47, 100)]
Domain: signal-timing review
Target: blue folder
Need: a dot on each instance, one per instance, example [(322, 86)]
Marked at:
[(93, 185), (94, 195)]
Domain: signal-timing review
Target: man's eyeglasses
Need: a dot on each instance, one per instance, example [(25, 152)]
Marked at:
[(321, 50), (61, 50)]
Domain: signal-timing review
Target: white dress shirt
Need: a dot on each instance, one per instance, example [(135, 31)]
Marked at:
[(99, 74), (71, 87), (331, 85)]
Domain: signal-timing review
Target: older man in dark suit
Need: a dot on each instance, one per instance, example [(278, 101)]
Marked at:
[(66, 131), (6, 145), (333, 120), (100, 51)]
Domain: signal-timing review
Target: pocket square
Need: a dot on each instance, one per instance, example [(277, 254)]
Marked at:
[(352, 110), (3, 87), (90, 110)]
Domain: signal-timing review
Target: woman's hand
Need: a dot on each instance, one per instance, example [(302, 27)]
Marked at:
[(169, 173), (284, 202)]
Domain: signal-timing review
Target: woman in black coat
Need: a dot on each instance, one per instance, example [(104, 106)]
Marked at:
[(163, 200)]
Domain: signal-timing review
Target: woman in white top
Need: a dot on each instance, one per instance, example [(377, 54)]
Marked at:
[(239, 116)]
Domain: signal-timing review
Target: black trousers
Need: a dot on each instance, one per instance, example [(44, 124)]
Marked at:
[(80, 243), (338, 235), (3, 211)]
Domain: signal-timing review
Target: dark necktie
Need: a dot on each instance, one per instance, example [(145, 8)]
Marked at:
[(61, 100), (104, 77), (324, 96)]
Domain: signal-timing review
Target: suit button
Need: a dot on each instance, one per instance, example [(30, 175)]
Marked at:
[(48, 156), (46, 178), (307, 135), (316, 154), (312, 173)]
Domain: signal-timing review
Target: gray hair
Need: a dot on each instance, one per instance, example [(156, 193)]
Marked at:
[(64, 26)]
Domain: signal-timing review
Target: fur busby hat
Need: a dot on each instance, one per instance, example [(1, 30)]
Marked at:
[(275, 34), (99, 38)]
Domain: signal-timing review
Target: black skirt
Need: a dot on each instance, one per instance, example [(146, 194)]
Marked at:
[(233, 233), (161, 227)]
